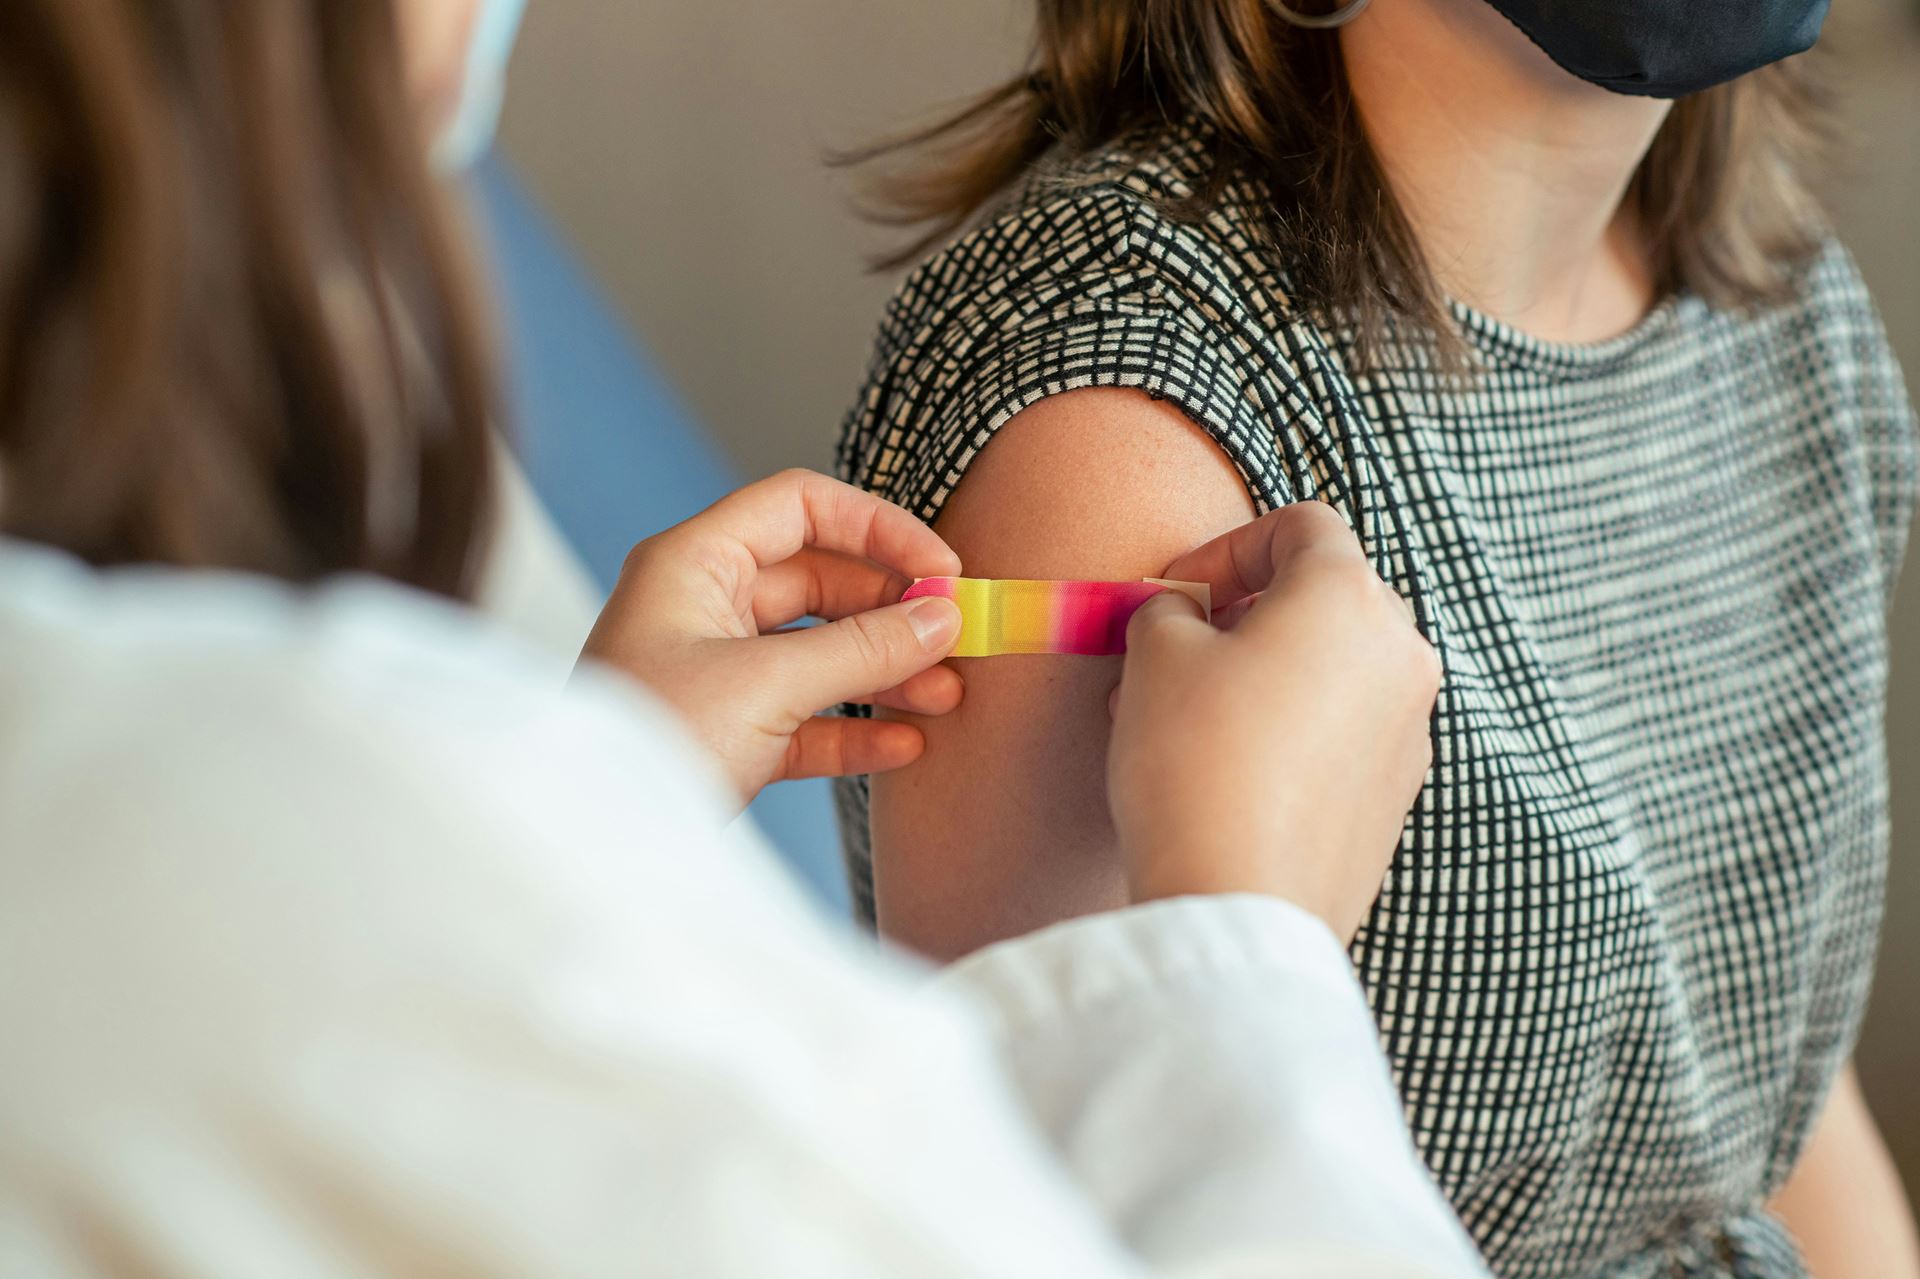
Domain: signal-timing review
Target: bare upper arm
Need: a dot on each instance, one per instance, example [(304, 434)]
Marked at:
[(1002, 825)]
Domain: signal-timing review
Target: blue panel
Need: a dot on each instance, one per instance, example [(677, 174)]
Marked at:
[(604, 439), (613, 452)]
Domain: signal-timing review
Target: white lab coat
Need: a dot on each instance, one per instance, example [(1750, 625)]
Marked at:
[(336, 941)]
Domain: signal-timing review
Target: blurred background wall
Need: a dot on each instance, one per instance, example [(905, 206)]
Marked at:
[(679, 146)]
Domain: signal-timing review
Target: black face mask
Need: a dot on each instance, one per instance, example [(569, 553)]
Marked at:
[(1666, 48)]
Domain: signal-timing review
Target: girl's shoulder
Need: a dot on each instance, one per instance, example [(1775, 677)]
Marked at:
[(1122, 225), (1847, 351), (1099, 270)]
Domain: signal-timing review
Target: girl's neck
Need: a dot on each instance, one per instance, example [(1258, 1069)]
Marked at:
[(1511, 171)]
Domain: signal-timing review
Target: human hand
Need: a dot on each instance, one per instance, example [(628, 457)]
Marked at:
[(1279, 756), (696, 612)]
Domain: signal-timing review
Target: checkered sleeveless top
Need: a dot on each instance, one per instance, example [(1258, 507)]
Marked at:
[(1627, 941)]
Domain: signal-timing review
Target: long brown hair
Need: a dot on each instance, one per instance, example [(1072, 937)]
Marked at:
[(1721, 194), (236, 323)]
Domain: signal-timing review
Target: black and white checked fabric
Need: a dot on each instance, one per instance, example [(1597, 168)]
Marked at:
[(1627, 941)]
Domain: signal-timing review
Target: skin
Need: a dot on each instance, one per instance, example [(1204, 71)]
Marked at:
[(696, 616), (1512, 173), (1844, 1202), (434, 38), (699, 613), (1025, 755), (1194, 815)]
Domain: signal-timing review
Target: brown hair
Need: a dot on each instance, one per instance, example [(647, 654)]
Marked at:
[(1721, 192), (236, 327)]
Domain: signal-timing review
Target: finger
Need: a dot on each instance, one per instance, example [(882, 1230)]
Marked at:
[(1167, 623), (937, 691), (824, 584), (1246, 560), (1165, 618), (842, 661), (831, 746), (776, 517), (1225, 619)]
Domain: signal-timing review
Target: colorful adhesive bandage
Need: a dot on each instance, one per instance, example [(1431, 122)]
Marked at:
[(1000, 616)]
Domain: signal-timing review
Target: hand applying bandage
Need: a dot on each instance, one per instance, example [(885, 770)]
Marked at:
[(1280, 755), (698, 610)]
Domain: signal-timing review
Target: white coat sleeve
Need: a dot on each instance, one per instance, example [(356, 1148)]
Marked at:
[(1209, 1074), (312, 974)]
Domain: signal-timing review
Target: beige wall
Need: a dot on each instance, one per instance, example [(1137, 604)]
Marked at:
[(679, 144), (1879, 213)]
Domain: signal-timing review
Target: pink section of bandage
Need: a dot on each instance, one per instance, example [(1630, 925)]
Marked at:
[(1092, 617)]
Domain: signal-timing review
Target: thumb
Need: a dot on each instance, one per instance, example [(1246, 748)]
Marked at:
[(861, 655), (1168, 622), (1168, 615)]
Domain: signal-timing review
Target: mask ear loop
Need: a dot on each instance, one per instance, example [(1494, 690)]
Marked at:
[(1323, 21)]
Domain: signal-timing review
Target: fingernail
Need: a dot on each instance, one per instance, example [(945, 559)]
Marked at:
[(935, 622)]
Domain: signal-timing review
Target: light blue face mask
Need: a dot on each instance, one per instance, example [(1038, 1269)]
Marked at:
[(470, 132)]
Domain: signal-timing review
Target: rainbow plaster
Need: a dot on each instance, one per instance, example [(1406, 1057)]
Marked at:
[(1012, 615)]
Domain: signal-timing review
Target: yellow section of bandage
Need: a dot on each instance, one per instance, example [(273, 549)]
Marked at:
[(1000, 615)]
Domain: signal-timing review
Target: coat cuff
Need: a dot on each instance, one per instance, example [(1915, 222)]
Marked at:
[(1075, 967)]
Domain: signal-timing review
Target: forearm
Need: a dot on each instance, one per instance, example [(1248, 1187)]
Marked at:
[(1844, 1203)]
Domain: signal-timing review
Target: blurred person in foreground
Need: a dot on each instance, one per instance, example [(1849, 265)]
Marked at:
[(334, 940)]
